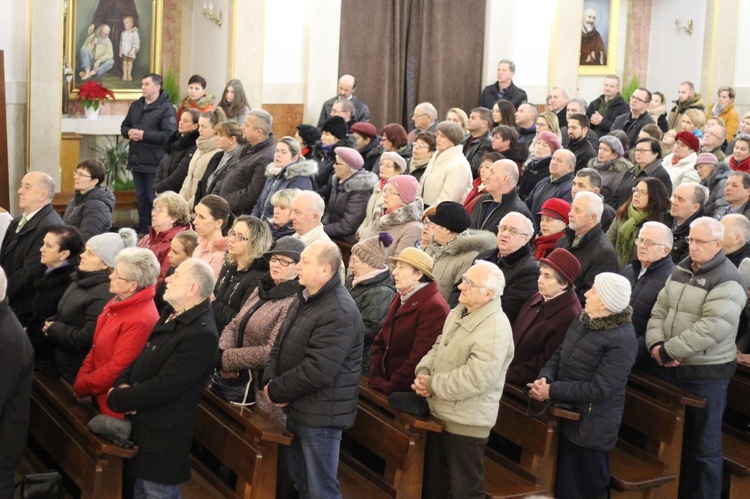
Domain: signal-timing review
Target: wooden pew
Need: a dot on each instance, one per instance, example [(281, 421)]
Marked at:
[(58, 422), (736, 441), (397, 438), (245, 440)]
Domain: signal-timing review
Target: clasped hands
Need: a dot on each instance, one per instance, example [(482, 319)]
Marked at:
[(420, 385)]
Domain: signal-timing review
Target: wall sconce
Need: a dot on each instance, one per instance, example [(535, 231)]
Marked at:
[(688, 28), (208, 13)]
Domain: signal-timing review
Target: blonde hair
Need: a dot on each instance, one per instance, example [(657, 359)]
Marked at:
[(462, 117), (697, 116)]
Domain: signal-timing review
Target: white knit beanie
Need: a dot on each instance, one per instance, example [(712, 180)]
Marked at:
[(108, 245), (613, 291)]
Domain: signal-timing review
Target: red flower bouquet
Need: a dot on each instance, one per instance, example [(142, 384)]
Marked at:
[(91, 92)]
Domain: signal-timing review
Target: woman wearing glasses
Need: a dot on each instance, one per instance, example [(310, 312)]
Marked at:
[(249, 239), (90, 210)]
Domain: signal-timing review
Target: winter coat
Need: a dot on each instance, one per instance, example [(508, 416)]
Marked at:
[(19, 257), (121, 332), (595, 254), (404, 224), (16, 370), (645, 289), (533, 173), (737, 256), (174, 167), (452, 260), (683, 171), (416, 169), (165, 386), (346, 205), (299, 175), (716, 182), (612, 173), (583, 151), (49, 287), (374, 208), (547, 189), (408, 333), (279, 231), (160, 244), (212, 253), (589, 371), (157, 120), (632, 127), (466, 368), (696, 317), (538, 331), (731, 120), (91, 212), (213, 177), (205, 151), (316, 359), (261, 316), (361, 111), (244, 181), (674, 121), (680, 248), (476, 150), (372, 297), (371, 154), (446, 178), (233, 287), (609, 111), (630, 179), (491, 94), (508, 202), (325, 165)]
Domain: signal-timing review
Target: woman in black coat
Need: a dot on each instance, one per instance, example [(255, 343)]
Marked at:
[(589, 371), (180, 147), (90, 210)]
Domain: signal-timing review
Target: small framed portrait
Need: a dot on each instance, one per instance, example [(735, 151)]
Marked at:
[(114, 42), (599, 37)]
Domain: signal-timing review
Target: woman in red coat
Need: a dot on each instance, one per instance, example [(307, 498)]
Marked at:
[(123, 327), (169, 216), (414, 321), (544, 319)]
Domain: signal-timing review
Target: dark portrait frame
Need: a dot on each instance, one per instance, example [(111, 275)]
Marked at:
[(606, 23)]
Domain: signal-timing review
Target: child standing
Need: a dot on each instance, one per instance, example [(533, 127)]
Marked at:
[(130, 44)]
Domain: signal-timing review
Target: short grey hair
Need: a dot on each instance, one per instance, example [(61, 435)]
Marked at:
[(714, 226), (428, 108), (141, 266), (738, 225), (581, 102), (527, 225), (563, 89), (511, 64), (665, 233), (534, 109), (200, 273), (495, 279), (346, 105), (595, 205), (263, 120), (313, 200), (508, 167), (700, 192)]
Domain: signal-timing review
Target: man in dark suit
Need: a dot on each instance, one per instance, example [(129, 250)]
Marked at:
[(19, 255)]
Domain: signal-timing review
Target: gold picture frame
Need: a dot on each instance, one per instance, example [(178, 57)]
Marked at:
[(82, 15), (591, 62)]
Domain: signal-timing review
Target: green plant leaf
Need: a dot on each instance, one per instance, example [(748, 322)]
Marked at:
[(114, 158), (630, 88)]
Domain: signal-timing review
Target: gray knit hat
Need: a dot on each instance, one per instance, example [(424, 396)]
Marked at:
[(614, 144), (374, 250), (108, 245), (287, 246), (613, 291)]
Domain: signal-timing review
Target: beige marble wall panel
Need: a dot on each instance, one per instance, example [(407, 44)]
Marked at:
[(637, 41), (246, 39), (16, 118), (566, 45), (719, 47)]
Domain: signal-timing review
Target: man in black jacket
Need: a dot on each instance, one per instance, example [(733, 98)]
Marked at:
[(479, 140), (631, 123), (313, 370), (736, 243), (603, 111), (578, 143), (503, 88), (501, 198), (687, 205), (149, 123), (19, 255), (346, 89)]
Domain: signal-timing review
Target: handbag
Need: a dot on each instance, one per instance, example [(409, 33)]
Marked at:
[(41, 486), (237, 391)]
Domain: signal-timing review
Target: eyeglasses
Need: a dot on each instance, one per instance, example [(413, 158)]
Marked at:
[(389, 192), (633, 97), (647, 243), (644, 151), (511, 230), (283, 263), (468, 283), (699, 242), (79, 173), (420, 145), (238, 237), (642, 192)]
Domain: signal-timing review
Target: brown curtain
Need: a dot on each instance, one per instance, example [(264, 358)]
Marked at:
[(404, 52)]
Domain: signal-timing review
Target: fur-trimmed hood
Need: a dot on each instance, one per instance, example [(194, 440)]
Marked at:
[(362, 180), (411, 212), (304, 168), (468, 240), (611, 321)]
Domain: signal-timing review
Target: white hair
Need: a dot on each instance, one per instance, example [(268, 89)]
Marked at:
[(527, 225), (313, 201), (714, 226), (738, 225), (595, 205), (495, 279), (201, 274), (665, 233)]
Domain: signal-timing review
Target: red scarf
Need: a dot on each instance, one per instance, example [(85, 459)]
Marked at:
[(739, 167), (545, 244)]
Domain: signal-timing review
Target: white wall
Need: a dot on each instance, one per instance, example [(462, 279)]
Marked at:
[(285, 54), (210, 49), (741, 66)]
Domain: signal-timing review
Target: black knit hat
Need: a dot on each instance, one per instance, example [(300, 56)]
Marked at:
[(336, 126), (309, 134), (452, 216)]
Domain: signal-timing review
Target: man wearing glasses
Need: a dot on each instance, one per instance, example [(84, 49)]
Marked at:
[(691, 335), (632, 123), (425, 120)]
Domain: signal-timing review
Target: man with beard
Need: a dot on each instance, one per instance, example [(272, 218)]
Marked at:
[(593, 52), (578, 144), (112, 13), (97, 54), (686, 99)]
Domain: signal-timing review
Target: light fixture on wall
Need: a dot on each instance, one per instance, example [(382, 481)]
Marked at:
[(208, 13), (688, 28)]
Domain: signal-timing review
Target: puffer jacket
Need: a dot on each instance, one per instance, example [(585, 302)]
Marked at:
[(403, 224), (696, 317), (91, 212), (589, 371), (611, 172), (315, 362), (716, 182), (233, 287), (683, 171), (299, 175), (206, 150), (372, 297), (157, 120), (72, 328), (173, 168), (451, 260), (325, 165), (465, 394), (346, 205)]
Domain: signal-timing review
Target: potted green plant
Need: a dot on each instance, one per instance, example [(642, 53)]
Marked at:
[(90, 94), (114, 158)]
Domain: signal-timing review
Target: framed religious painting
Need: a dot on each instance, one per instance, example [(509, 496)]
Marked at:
[(113, 42), (599, 37)]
